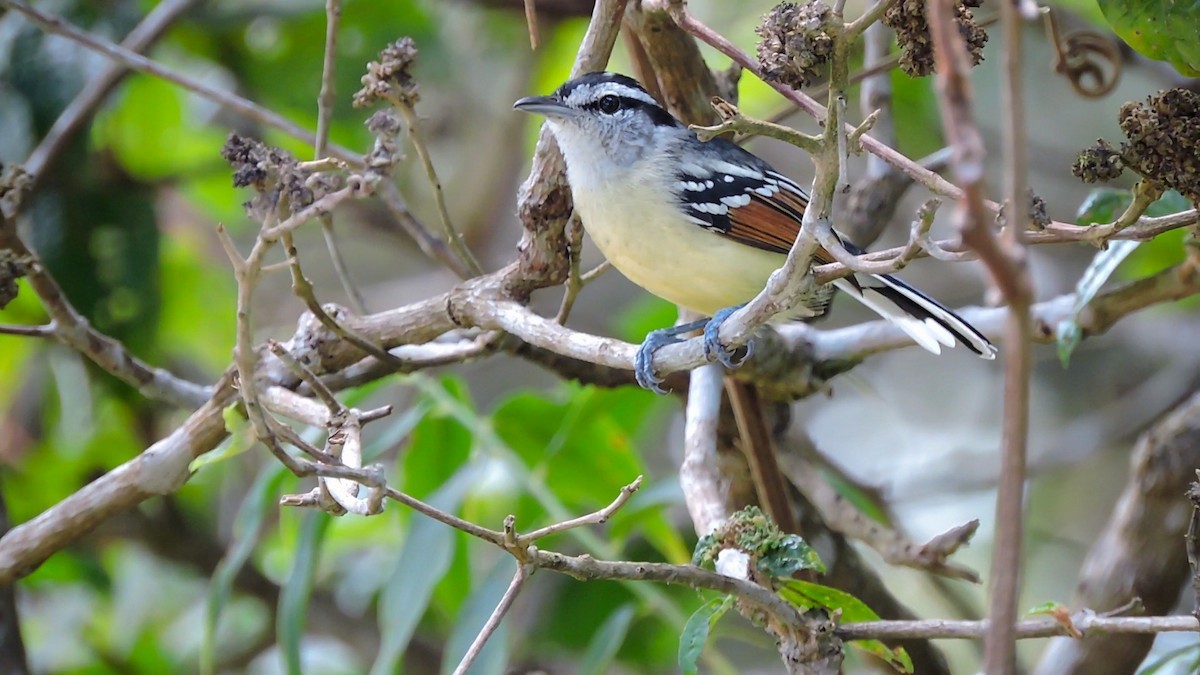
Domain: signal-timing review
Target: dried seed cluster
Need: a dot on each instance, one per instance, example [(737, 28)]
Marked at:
[(389, 79), (1162, 144), (907, 18), (1099, 163), (796, 43), (273, 173), (1038, 216), (12, 268)]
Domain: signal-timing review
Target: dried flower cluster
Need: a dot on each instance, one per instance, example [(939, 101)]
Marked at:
[(1038, 216), (796, 43), (12, 267), (907, 18), (273, 173), (389, 79), (1162, 144)]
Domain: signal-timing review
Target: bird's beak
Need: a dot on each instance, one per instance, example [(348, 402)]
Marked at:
[(549, 106)]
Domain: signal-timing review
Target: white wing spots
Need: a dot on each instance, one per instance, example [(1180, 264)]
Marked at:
[(736, 170), (766, 190), (708, 207), (728, 178), (736, 201), (708, 184)]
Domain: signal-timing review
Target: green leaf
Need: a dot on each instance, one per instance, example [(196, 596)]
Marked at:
[(440, 443), (150, 132), (1098, 271), (241, 438), (260, 500), (1045, 608), (856, 496), (790, 555), (807, 595), (296, 591), (427, 553), (696, 630), (1104, 205), (1161, 30), (493, 659), (607, 640)]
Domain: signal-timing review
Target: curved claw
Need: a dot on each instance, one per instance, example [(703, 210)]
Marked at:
[(713, 349), (643, 362), (643, 368)]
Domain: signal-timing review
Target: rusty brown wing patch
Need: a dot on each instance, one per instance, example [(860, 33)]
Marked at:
[(771, 223)]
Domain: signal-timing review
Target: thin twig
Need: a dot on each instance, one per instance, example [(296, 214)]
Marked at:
[(596, 518), (1012, 277), (439, 198), (325, 104), (733, 120), (574, 281), (304, 290), (425, 240), (917, 241), (531, 24), (44, 331), (1086, 622), (493, 621)]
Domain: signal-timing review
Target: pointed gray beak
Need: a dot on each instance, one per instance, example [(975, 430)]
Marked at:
[(544, 105)]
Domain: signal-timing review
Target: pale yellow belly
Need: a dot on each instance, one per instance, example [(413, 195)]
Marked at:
[(672, 258)]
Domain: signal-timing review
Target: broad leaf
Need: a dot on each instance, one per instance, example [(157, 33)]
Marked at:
[(807, 595), (790, 555), (1164, 31), (696, 631)]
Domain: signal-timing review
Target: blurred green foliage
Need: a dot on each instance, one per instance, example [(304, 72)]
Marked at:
[(1166, 31), (217, 577)]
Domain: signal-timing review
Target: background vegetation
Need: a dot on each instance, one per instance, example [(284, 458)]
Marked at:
[(217, 576)]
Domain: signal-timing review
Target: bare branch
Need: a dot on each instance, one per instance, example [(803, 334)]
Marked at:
[(1085, 621), (73, 330), (732, 120), (1137, 552), (160, 470), (596, 518), (453, 238), (502, 608), (45, 331), (705, 488), (892, 546), (856, 342)]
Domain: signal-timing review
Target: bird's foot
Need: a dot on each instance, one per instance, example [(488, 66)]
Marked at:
[(713, 349), (643, 363)]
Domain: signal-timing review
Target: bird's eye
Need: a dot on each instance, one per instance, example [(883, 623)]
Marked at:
[(609, 104)]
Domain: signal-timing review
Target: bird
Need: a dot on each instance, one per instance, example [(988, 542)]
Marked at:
[(703, 224)]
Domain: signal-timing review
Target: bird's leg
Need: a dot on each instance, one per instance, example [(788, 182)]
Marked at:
[(713, 349), (643, 363)]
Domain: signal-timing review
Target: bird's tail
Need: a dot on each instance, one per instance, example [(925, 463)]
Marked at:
[(928, 322)]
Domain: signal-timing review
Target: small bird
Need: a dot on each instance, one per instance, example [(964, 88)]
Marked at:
[(702, 224)]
